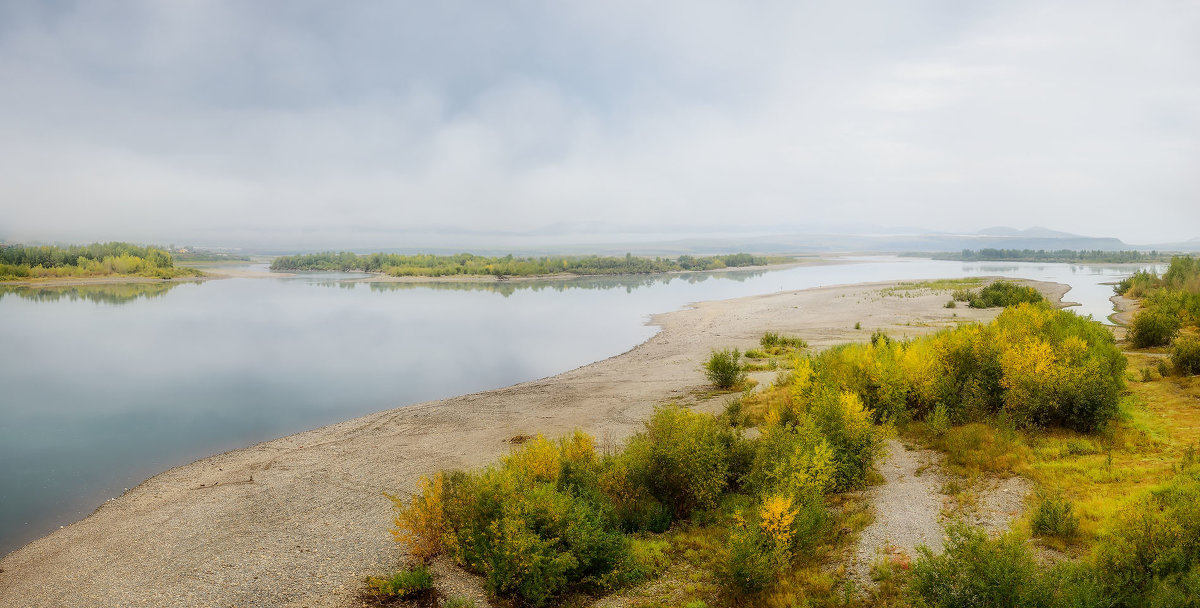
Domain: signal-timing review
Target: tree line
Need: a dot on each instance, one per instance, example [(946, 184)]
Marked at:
[(1042, 255), (95, 259)]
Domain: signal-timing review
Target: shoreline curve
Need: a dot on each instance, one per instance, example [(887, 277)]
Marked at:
[(300, 520)]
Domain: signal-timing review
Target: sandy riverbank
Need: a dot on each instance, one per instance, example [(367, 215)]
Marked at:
[(300, 520)]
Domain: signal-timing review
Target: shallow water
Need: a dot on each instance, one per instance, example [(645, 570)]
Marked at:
[(106, 385)]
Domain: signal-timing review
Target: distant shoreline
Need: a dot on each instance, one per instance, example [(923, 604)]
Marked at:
[(212, 273)]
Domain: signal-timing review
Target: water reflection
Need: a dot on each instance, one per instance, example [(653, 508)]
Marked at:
[(628, 283), (106, 293)]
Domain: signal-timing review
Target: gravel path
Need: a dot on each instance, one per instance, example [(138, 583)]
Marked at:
[(908, 508), (911, 510)]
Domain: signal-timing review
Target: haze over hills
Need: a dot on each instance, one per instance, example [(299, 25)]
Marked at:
[(616, 238)]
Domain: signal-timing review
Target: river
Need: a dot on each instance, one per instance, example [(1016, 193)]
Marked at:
[(106, 385)]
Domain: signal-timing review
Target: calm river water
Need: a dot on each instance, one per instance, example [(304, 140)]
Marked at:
[(104, 386)]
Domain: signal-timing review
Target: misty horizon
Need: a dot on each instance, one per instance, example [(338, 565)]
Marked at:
[(319, 126)]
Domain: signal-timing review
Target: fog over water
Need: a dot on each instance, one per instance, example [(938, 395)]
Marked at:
[(106, 385)]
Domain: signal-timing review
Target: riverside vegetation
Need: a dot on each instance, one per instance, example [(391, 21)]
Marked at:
[(1170, 303), (746, 508), (95, 260), (466, 264)]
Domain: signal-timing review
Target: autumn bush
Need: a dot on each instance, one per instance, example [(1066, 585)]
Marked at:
[(554, 517), (534, 526), (420, 524), (1038, 365), (683, 458)]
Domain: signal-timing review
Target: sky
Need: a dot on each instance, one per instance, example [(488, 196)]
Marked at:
[(355, 123)]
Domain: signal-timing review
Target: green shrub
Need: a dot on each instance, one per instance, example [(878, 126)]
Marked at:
[(1055, 516), (793, 460), (683, 458), (1153, 327), (1003, 293), (748, 567), (1155, 545), (1182, 591), (771, 340), (724, 368), (977, 571), (856, 441), (962, 295), (408, 582), (1185, 355), (763, 542), (537, 525), (1039, 365), (938, 421), (950, 304)]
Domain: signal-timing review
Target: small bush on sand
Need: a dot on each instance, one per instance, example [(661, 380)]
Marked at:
[(409, 582), (420, 524), (771, 340), (724, 368)]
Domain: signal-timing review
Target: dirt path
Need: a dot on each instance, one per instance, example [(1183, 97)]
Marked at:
[(911, 508), (300, 521), (907, 507)]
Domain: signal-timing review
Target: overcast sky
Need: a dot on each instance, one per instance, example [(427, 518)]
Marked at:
[(344, 122)]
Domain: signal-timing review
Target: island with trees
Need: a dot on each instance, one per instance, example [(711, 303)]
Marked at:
[(466, 264), (115, 259)]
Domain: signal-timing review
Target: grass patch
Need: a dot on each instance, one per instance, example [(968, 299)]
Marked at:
[(977, 449), (408, 583), (912, 289)]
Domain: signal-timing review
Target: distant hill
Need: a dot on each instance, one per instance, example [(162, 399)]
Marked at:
[(1035, 232)]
